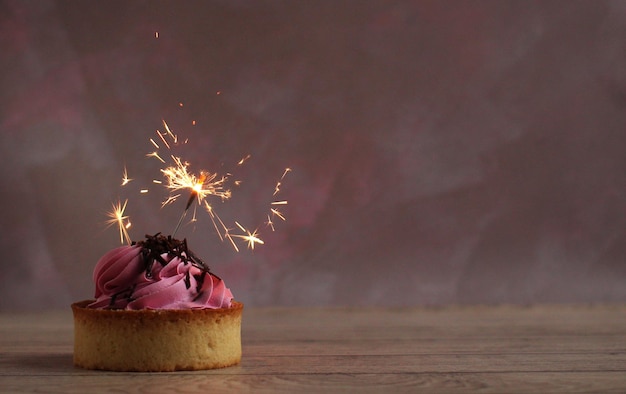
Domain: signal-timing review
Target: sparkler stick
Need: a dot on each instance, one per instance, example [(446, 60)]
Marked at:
[(192, 196)]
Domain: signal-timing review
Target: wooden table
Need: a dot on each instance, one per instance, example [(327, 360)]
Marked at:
[(536, 349)]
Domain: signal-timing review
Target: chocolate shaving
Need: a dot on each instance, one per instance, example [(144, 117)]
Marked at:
[(187, 281), (200, 281)]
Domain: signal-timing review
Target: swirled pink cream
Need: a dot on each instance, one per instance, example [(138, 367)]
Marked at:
[(126, 280)]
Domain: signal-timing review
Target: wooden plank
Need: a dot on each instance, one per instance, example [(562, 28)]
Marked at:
[(30, 364), (453, 383), (367, 346)]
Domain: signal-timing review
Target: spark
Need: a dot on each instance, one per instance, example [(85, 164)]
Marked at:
[(276, 212), (243, 160), (269, 223), (213, 217), (219, 225), (279, 183), (276, 188), (173, 136), (194, 217), (156, 155), (116, 215), (206, 184), (230, 238), (169, 200), (125, 178), (251, 237), (162, 137)]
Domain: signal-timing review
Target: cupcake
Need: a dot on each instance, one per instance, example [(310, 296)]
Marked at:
[(157, 307)]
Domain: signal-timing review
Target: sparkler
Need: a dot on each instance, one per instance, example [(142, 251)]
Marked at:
[(179, 181), (199, 187)]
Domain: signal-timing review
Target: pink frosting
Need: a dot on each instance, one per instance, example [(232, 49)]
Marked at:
[(122, 283)]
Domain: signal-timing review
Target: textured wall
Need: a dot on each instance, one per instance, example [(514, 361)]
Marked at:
[(442, 152)]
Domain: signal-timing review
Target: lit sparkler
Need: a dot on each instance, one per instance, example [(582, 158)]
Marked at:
[(199, 187), (179, 181)]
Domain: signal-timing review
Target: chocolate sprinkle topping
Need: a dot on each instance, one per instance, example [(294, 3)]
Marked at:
[(152, 249), (154, 246), (187, 280)]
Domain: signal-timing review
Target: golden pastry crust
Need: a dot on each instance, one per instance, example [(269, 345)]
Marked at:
[(156, 340)]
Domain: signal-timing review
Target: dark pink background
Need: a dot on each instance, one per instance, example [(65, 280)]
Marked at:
[(442, 152)]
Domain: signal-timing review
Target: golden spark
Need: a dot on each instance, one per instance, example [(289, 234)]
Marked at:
[(215, 219), (276, 188), (251, 237), (169, 200), (155, 154), (269, 223), (173, 136), (117, 216), (243, 160), (276, 212), (162, 137), (279, 183), (125, 178)]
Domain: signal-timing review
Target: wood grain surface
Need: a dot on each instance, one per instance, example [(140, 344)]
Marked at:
[(568, 349)]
